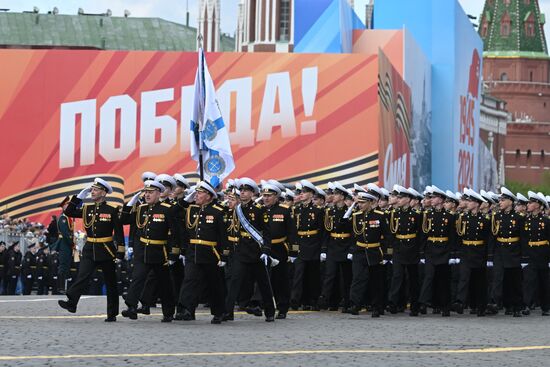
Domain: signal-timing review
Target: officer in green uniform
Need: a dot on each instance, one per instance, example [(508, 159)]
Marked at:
[(64, 247), (104, 244)]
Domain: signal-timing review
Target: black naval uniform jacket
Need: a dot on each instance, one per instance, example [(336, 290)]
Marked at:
[(282, 230), (506, 229), (311, 227), (535, 238), (405, 227), (103, 229), (13, 263), (370, 230), (338, 242), (248, 250), (474, 231), (156, 232), (207, 234), (29, 264), (439, 236)]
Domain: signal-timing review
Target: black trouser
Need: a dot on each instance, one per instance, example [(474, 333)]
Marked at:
[(281, 285), (28, 283), (197, 278), (511, 289), (43, 284), (398, 279), (442, 286), (11, 285), (463, 287), (162, 283), (243, 272), (497, 280), (539, 281), (85, 272), (427, 288), (333, 270), (177, 273), (306, 283), (477, 287), (364, 274)]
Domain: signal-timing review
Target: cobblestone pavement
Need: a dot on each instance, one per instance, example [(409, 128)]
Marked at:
[(36, 332)]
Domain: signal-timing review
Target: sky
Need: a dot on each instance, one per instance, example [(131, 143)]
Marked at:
[(175, 10)]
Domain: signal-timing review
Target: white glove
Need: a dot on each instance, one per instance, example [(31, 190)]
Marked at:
[(384, 262), (489, 264), (452, 262), (292, 259), (274, 262), (457, 261), (191, 196), (182, 258), (523, 265), (134, 199), (29, 276), (171, 262), (264, 258), (323, 257), (549, 265), (118, 261), (221, 264), (39, 278), (55, 278), (423, 261), (130, 250), (350, 257), (349, 211), (82, 194)]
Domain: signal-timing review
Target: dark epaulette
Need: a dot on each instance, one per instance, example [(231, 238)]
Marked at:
[(378, 212), (217, 207), (166, 205)]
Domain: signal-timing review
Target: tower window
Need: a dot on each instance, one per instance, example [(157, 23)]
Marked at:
[(504, 77), (505, 24), (284, 21), (528, 153), (484, 27), (530, 26)]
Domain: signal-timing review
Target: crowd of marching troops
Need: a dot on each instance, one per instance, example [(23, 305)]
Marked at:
[(268, 248)]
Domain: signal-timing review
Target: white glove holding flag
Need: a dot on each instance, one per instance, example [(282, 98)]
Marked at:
[(182, 258), (191, 196), (489, 264), (134, 199), (82, 194), (264, 258), (292, 259), (350, 257), (323, 257), (349, 211), (274, 262), (221, 264)]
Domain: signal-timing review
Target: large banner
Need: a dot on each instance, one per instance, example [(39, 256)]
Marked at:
[(67, 116)]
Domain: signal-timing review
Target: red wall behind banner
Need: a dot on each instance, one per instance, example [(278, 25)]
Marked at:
[(67, 116)]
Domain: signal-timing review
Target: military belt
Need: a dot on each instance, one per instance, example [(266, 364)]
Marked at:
[(538, 243), (196, 241), (368, 245), (99, 239), (175, 250), (340, 235), (33, 266), (121, 248), (438, 239), (148, 241), (473, 243), (308, 233), (508, 240), (405, 236), (278, 240), (233, 239)]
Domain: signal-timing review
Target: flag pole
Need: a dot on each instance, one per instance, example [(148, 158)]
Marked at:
[(201, 114)]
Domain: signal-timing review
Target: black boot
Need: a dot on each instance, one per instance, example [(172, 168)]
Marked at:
[(375, 313), (281, 316), (67, 306), (423, 309), (130, 312), (216, 320), (144, 309)]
